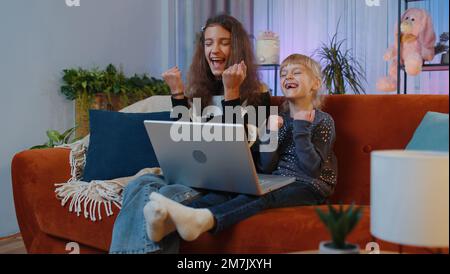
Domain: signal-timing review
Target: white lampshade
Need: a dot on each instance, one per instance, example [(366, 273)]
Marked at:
[(409, 197)]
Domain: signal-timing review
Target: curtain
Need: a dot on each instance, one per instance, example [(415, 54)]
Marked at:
[(185, 18), (303, 25), (369, 30)]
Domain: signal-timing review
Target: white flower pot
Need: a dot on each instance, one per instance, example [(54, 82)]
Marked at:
[(325, 248)]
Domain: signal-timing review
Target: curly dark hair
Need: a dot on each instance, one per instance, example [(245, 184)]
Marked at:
[(203, 84)]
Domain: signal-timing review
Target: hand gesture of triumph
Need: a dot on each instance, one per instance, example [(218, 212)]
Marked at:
[(173, 79), (275, 122), (232, 79)]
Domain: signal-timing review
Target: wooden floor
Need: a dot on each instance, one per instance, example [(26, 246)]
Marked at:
[(12, 245)]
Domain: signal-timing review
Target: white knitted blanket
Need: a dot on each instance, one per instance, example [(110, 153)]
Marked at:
[(88, 198)]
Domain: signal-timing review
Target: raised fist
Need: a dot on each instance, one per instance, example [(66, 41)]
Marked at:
[(172, 77), (275, 122), (232, 79)]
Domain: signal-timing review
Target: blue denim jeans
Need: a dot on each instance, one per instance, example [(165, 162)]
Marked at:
[(229, 209), (129, 232)]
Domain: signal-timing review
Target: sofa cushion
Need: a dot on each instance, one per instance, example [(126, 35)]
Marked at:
[(365, 123), (431, 134), (119, 144)]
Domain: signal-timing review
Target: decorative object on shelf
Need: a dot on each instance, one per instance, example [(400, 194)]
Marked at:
[(410, 197), (56, 138), (444, 59), (340, 69), (417, 40), (268, 48), (339, 223), (442, 47), (107, 89)]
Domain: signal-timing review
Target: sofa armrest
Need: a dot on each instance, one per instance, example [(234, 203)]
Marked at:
[(30, 171)]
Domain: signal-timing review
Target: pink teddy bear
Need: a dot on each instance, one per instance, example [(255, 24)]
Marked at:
[(417, 45)]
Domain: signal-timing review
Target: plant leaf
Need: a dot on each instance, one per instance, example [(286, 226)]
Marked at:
[(40, 147), (323, 217), (67, 134), (49, 144), (54, 136), (340, 69)]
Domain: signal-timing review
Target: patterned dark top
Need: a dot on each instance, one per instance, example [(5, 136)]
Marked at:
[(305, 151)]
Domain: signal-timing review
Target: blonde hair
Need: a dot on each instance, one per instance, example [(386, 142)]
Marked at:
[(313, 67)]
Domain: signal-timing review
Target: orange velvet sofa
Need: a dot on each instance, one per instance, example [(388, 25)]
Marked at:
[(364, 123)]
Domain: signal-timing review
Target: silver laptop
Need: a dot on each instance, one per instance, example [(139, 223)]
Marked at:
[(190, 158)]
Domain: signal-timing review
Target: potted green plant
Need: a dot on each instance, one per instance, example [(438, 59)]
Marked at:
[(107, 89), (341, 71), (55, 138), (442, 47), (339, 223)]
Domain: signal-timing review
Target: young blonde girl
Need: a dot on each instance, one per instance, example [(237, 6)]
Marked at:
[(305, 151)]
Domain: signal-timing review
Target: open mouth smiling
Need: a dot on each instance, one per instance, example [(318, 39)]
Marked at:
[(291, 85), (217, 61)]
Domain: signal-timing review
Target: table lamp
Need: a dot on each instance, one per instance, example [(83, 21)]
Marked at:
[(410, 197)]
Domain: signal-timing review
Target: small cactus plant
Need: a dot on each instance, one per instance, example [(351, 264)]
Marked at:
[(340, 223)]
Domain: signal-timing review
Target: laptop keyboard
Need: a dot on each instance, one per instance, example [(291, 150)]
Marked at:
[(263, 181)]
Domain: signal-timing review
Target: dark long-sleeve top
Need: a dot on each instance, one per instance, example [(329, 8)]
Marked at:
[(264, 101), (305, 151)]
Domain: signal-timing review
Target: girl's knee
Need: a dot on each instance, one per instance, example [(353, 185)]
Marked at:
[(143, 181), (179, 193)]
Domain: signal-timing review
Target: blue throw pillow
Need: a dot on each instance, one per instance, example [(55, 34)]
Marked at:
[(119, 145), (432, 133)]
